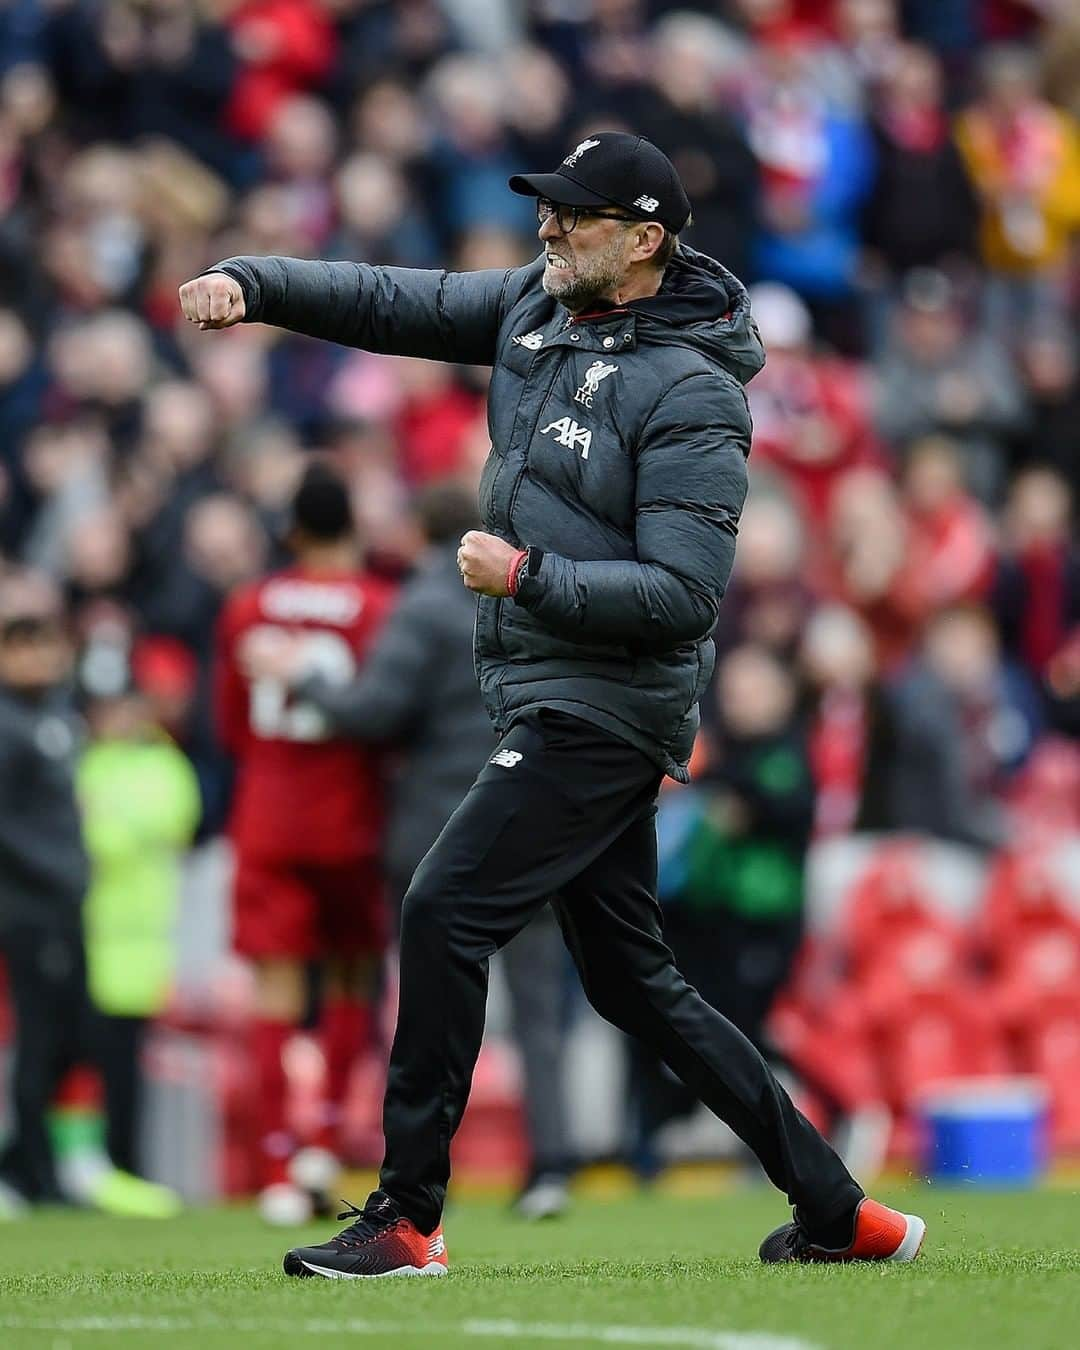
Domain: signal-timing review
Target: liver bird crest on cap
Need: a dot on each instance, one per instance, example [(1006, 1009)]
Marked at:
[(578, 150)]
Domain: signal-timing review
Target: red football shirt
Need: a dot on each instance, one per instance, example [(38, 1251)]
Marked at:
[(302, 794)]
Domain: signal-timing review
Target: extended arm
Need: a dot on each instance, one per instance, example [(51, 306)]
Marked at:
[(402, 311), (691, 484)]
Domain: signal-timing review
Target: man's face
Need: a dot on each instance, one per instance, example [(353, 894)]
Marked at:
[(588, 264), (34, 653)]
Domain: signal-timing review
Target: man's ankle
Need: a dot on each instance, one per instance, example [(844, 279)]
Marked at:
[(835, 1234)]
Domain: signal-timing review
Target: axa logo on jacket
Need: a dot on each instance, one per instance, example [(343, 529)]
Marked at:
[(570, 434)]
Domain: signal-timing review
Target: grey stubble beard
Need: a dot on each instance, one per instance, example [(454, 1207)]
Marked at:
[(604, 277)]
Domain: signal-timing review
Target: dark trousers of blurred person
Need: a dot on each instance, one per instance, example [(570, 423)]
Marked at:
[(118, 1053), (535, 965), (56, 1028), (46, 977)]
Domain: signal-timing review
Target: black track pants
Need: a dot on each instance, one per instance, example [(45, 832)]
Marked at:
[(564, 813), (46, 970)]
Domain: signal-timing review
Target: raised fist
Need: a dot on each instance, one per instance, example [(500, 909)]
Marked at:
[(212, 301)]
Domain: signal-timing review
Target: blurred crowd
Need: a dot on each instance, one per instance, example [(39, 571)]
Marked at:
[(897, 180)]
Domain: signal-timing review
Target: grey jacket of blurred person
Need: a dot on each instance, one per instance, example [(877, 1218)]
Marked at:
[(632, 489), (417, 690), (43, 865)]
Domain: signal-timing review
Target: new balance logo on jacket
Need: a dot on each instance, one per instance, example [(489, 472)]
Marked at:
[(506, 759), (570, 434)]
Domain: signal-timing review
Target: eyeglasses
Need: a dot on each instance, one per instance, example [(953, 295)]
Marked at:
[(23, 628), (567, 217)]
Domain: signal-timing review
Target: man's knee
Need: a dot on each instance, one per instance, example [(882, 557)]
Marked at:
[(280, 989), (632, 1001), (426, 907), (612, 1000)]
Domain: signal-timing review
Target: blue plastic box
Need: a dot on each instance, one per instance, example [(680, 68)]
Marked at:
[(985, 1132)]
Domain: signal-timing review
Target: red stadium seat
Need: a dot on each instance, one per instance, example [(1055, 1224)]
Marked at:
[(1022, 900), (890, 905), (1050, 1047)]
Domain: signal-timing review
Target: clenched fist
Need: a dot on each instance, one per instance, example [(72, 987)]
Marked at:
[(212, 301), (484, 563)]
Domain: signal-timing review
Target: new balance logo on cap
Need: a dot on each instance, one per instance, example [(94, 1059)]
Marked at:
[(647, 203), (578, 150), (506, 759), (570, 434), (534, 341)]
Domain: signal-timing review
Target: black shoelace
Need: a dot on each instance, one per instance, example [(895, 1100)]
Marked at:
[(368, 1221), (796, 1240)]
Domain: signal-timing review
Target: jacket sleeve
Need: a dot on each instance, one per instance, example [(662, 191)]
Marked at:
[(691, 484), (392, 688), (401, 311)]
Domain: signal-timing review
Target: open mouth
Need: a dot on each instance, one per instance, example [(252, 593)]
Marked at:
[(554, 260)]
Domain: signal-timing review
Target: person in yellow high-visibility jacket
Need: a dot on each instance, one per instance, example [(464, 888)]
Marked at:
[(140, 802)]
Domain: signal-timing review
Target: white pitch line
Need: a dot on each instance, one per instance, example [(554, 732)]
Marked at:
[(700, 1338), (697, 1338)]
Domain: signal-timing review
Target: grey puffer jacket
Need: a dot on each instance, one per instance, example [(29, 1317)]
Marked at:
[(619, 444)]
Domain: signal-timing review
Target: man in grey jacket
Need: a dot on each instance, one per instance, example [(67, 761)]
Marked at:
[(610, 502)]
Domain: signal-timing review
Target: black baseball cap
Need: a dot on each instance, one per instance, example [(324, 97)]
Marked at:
[(614, 168)]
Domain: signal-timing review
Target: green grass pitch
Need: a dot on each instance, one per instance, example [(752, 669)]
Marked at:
[(999, 1271)]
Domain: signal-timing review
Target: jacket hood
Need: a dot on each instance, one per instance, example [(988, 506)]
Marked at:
[(701, 304)]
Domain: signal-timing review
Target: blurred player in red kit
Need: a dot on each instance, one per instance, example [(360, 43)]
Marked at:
[(306, 825)]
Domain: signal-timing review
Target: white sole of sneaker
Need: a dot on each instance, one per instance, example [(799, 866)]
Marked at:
[(432, 1268), (913, 1239)]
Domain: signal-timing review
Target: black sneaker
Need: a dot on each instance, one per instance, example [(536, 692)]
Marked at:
[(380, 1241), (878, 1234)]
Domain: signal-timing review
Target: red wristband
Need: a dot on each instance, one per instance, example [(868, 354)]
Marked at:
[(513, 570)]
